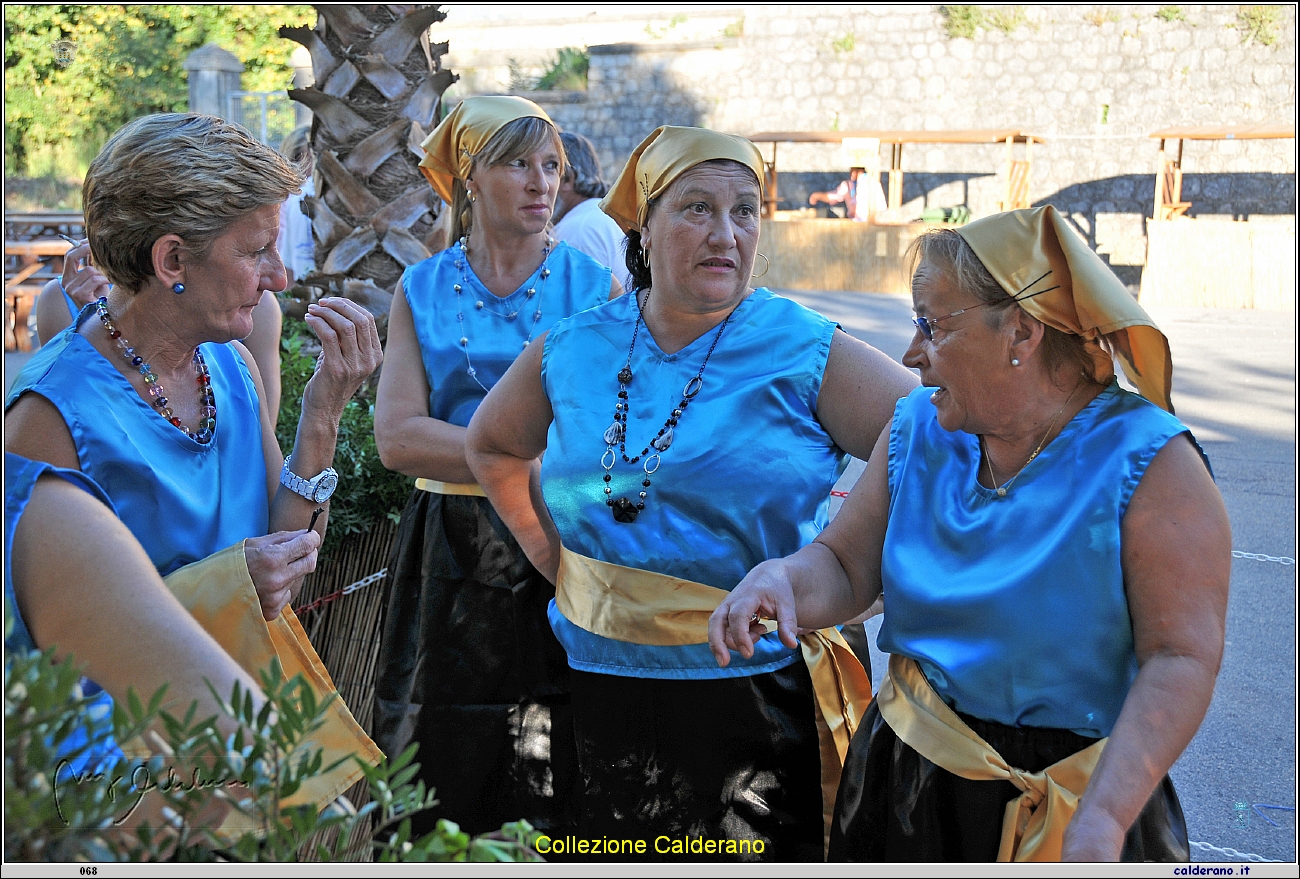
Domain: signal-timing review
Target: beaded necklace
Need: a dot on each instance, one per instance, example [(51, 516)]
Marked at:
[(462, 261), (624, 509), (207, 402)]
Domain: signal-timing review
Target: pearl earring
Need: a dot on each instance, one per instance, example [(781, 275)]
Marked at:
[(1015, 362)]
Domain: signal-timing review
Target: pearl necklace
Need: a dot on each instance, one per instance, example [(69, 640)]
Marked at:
[(207, 402), (461, 263), (624, 509)]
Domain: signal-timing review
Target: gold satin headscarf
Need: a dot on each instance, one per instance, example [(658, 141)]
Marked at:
[(450, 150), (1030, 250), (664, 156)]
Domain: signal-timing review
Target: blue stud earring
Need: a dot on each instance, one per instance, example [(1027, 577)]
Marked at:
[(178, 288)]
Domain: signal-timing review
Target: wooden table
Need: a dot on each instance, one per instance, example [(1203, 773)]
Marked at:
[(1015, 184), (28, 264), (1169, 171), (29, 225)]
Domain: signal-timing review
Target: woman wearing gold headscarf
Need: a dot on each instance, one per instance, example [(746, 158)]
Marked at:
[(1054, 557), (691, 430), (468, 666)]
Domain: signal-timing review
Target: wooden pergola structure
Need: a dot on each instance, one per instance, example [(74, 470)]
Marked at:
[(1169, 170), (1015, 184)]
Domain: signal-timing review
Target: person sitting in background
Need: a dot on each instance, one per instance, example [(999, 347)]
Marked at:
[(846, 194), (578, 219)]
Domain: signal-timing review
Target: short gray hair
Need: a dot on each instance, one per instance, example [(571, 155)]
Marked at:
[(175, 173), (587, 180)]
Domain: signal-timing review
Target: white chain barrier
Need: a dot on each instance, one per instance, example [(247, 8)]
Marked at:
[(1233, 854), (1260, 557), (346, 590)]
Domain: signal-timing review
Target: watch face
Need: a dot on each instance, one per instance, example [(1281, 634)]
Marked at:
[(325, 487)]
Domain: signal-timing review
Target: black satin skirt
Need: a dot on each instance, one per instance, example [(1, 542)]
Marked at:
[(895, 805), (469, 668), (679, 764)]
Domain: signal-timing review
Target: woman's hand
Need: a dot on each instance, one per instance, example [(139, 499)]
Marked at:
[(765, 593), (350, 352), (277, 563), (86, 284)]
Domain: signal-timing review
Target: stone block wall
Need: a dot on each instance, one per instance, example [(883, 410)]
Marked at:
[(1094, 80)]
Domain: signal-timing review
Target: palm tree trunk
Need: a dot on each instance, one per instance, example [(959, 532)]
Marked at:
[(377, 93)]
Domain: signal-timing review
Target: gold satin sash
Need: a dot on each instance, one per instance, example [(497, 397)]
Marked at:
[(219, 593), (1034, 824), (472, 489), (642, 607)]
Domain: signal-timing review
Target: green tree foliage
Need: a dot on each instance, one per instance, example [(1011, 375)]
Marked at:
[(75, 74), (53, 815)]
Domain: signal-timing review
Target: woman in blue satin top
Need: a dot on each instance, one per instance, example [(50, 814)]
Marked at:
[(1053, 553), (149, 392), (746, 404), (467, 663)]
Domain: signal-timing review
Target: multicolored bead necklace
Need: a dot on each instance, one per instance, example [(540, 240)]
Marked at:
[(461, 262), (207, 402), (624, 509)]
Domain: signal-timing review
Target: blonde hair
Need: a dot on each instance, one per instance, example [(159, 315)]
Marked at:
[(175, 173), (515, 140)]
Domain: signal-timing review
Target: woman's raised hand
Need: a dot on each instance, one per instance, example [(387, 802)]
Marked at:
[(277, 564), (766, 593), (85, 283), (350, 352)]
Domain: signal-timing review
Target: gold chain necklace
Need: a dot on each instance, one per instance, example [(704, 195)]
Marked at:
[(988, 459)]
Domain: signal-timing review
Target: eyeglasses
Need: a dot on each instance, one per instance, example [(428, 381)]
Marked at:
[(926, 324)]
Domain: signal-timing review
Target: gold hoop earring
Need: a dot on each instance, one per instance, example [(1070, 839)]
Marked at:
[(767, 264), (645, 257)]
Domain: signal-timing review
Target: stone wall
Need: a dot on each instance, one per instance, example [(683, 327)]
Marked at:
[(1094, 80)]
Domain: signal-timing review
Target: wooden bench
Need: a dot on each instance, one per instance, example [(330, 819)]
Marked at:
[(28, 266)]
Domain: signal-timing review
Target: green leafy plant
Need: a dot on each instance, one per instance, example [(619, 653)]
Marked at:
[(735, 29), (1259, 23), (368, 492), (844, 44), (1008, 18), (568, 71), (53, 815), (962, 21), (1171, 13)]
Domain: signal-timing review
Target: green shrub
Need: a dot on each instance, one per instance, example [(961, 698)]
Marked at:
[(1171, 13), (961, 22), (1259, 23), (568, 71), (266, 760), (368, 492)]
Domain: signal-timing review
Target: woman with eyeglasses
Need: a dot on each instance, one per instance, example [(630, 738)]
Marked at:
[(1055, 560)]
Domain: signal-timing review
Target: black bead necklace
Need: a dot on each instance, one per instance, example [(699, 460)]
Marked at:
[(624, 509)]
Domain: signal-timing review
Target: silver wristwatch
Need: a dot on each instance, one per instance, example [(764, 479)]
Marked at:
[(317, 489)]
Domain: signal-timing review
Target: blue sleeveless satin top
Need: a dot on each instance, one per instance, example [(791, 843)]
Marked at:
[(181, 499), (1014, 607), (747, 478), (97, 729), (576, 282)]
